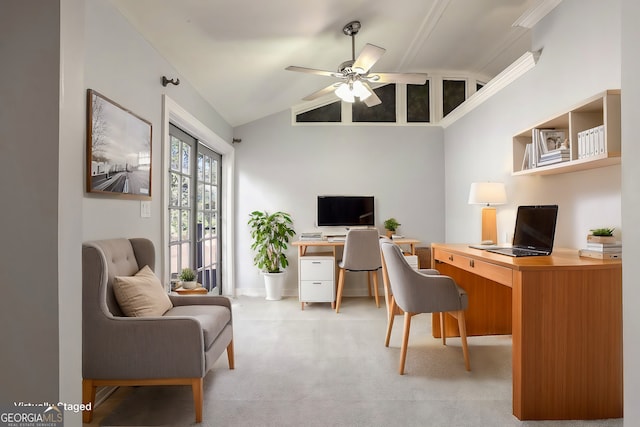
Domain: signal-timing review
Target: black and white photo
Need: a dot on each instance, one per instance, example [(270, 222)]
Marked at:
[(118, 150)]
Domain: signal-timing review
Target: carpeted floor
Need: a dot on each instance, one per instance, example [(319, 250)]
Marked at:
[(319, 368)]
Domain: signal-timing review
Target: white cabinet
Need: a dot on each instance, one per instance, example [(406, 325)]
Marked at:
[(316, 274)]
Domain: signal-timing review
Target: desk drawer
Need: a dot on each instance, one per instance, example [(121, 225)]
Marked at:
[(317, 268), (485, 269), (316, 290)]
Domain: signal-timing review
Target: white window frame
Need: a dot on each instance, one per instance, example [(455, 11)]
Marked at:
[(174, 113)]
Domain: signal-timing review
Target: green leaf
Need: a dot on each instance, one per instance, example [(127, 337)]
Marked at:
[(270, 234)]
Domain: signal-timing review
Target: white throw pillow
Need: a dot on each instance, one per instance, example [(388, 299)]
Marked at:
[(141, 295)]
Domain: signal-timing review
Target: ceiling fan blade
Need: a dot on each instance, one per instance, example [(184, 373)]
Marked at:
[(372, 99), (319, 93), (369, 56), (311, 71), (410, 78)]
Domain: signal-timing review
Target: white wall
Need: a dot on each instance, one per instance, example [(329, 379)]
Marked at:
[(284, 167), (581, 57), (123, 66), (631, 208)]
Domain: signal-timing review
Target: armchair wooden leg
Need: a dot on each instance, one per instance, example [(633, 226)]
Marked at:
[(463, 336), (375, 288), (340, 287), (443, 328), (390, 317), (230, 355), (369, 283), (197, 387), (405, 341), (88, 396)]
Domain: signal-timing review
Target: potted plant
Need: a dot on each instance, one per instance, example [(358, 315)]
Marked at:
[(601, 235), (188, 278), (391, 225), (270, 234)]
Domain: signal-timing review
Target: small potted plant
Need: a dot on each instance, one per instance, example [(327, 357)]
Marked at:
[(601, 235), (188, 278), (270, 234), (391, 225)]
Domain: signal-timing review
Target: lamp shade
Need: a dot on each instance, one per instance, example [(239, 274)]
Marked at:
[(487, 193), (345, 93), (352, 89)]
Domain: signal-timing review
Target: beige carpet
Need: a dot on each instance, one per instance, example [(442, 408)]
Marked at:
[(319, 368)]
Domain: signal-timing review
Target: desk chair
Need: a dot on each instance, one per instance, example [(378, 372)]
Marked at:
[(361, 253), (415, 292)]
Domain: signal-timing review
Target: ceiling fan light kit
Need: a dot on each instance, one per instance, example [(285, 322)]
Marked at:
[(349, 91), (355, 76)]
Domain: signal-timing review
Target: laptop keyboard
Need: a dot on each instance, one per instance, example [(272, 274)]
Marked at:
[(516, 252), (524, 252)]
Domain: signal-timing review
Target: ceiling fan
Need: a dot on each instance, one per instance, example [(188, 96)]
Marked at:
[(355, 73)]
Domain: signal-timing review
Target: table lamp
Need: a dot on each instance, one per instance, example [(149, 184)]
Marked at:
[(488, 194)]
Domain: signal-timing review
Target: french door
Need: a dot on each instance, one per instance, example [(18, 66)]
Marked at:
[(194, 202)]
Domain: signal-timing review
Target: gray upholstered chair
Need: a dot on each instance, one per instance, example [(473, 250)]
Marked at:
[(416, 292), (361, 253), (177, 348)]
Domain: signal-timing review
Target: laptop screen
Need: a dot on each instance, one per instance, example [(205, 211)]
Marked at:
[(535, 227)]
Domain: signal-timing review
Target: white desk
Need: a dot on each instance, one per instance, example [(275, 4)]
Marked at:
[(314, 282)]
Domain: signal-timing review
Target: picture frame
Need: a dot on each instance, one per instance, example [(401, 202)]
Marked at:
[(118, 150), (551, 140)]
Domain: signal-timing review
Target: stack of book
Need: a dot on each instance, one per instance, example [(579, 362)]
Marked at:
[(555, 156), (602, 247)]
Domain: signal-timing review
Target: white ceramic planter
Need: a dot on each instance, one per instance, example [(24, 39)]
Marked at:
[(189, 285), (274, 285)]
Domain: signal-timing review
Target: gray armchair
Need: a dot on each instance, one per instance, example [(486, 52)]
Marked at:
[(361, 253), (177, 348), (415, 292)]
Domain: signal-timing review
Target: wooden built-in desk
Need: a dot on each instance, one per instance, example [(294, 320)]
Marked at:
[(565, 317)]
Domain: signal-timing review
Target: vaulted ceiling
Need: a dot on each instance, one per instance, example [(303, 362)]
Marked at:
[(235, 52)]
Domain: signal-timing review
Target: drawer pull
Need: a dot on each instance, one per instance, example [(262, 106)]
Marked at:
[(317, 283), (471, 263), (316, 262), (450, 257)]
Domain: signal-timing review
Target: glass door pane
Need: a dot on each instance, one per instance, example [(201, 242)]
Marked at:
[(208, 241)]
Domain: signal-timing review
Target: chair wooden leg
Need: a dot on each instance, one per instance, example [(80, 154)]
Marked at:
[(88, 397), (197, 387), (230, 355), (463, 336), (443, 328), (405, 341), (390, 318), (340, 287), (375, 287)]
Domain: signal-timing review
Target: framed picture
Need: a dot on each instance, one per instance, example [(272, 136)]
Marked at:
[(551, 140), (118, 150)]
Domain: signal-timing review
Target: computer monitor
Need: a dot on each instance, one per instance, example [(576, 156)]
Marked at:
[(345, 211)]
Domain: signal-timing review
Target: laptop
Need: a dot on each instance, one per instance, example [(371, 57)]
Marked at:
[(534, 232)]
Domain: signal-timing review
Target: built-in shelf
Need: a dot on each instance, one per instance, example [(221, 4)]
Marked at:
[(601, 110)]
